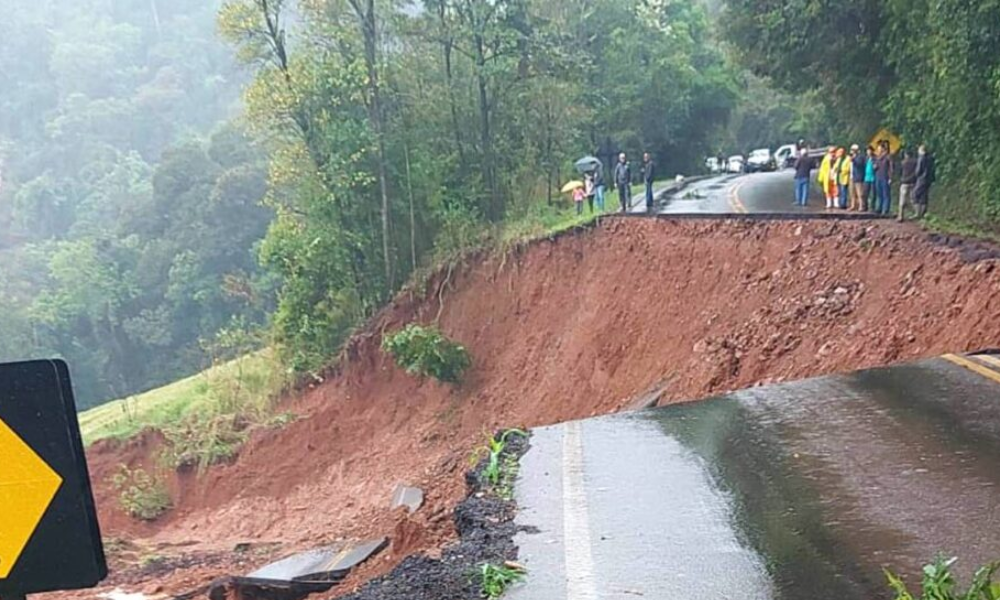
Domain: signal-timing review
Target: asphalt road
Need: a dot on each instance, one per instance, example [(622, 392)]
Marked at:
[(763, 193), (799, 491)]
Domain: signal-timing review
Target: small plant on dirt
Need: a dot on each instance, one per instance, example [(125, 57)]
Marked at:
[(140, 495), (497, 578), (500, 471), (426, 352), (939, 583)]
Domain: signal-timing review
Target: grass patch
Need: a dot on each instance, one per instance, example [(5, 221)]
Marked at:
[(953, 211), (246, 383), (495, 579)]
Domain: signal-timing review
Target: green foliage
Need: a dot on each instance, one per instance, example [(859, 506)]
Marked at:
[(426, 352), (496, 579), (140, 495), (938, 583), (500, 470)]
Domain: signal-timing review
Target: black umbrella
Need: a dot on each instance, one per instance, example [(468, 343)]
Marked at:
[(588, 164)]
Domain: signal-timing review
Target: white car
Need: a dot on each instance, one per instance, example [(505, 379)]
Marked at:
[(734, 164), (713, 165), (785, 156), (760, 160)]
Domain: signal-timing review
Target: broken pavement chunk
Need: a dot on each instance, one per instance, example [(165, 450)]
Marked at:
[(410, 497), (299, 575)]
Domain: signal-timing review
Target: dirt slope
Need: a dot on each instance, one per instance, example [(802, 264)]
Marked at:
[(564, 329)]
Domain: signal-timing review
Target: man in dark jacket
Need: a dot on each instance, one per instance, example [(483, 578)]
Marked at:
[(648, 173), (907, 179), (623, 181), (859, 162), (883, 180), (925, 178), (803, 172)]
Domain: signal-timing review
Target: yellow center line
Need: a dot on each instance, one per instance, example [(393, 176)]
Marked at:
[(988, 358), (734, 198), (973, 366)]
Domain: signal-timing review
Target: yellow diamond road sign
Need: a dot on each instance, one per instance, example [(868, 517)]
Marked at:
[(27, 487)]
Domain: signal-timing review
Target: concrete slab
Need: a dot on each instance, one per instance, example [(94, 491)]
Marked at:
[(410, 497)]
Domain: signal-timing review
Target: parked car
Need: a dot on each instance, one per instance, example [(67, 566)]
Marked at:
[(712, 165), (760, 160), (784, 157), (735, 164)]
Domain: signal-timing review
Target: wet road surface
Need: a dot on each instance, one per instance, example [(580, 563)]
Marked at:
[(742, 194), (799, 491)]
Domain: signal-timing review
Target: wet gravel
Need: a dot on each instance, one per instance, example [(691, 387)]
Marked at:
[(486, 532)]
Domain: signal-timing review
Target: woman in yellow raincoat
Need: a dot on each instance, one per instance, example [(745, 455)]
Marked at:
[(826, 183)]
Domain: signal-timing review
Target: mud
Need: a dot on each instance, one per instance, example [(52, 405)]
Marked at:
[(563, 329)]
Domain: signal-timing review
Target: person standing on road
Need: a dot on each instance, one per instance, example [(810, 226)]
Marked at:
[(824, 177), (599, 187), (623, 181), (925, 178), (869, 178), (883, 181), (859, 163), (648, 173), (803, 171), (843, 178), (907, 179)]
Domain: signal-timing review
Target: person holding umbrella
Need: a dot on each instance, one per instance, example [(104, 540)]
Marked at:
[(623, 181)]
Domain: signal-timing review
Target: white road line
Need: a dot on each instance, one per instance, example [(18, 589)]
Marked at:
[(580, 582)]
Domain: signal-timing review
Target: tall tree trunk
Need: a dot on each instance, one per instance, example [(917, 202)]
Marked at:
[(413, 218), (447, 48), (495, 208), (369, 30)]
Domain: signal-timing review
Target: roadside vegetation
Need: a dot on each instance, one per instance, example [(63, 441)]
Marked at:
[(140, 495), (426, 352), (496, 579), (939, 583), (501, 469)]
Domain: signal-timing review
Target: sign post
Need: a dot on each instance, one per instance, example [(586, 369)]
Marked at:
[(49, 535)]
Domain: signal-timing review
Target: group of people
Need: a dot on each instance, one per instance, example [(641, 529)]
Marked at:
[(594, 187), (863, 182)]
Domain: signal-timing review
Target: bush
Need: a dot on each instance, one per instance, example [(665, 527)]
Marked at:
[(939, 583), (425, 351), (140, 495)]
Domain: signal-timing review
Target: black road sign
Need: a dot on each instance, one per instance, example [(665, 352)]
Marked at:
[(49, 536)]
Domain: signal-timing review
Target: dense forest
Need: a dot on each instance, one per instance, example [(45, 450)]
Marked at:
[(128, 210), (927, 69)]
